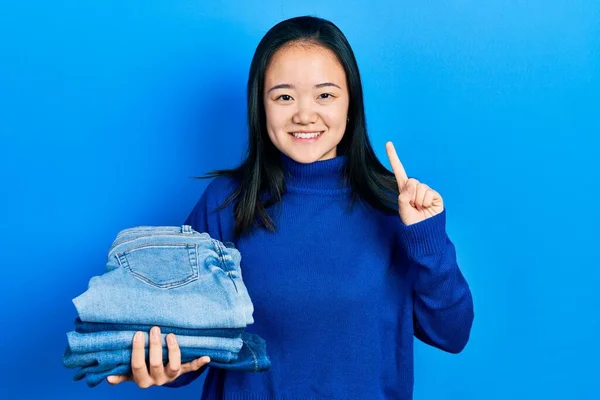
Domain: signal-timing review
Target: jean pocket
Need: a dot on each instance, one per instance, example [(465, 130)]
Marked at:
[(162, 265)]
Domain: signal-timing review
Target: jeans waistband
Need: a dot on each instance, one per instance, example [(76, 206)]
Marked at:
[(130, 234)]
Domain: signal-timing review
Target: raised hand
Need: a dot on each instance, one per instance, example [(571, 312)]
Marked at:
[(417, 201)]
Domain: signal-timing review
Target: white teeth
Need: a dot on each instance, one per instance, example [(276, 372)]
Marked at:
[(306, 135)]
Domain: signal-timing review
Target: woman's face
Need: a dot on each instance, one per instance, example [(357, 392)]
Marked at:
[(306, 102)]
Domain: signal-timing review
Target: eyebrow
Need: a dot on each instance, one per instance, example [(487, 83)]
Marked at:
[(289, 86)]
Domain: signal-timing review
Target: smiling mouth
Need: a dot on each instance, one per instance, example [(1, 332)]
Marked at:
[(307, 135)]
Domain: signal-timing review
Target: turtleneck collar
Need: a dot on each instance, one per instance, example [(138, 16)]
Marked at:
[(319, 176)]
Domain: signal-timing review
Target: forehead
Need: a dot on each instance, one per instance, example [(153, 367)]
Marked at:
[(304, 63)]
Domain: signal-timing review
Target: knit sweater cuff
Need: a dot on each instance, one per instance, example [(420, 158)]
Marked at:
[(426, 237)]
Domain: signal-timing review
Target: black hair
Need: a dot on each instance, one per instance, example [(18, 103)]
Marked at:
[(261, 175)]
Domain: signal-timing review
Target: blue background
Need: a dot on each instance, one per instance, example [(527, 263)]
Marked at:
[(107, 109)]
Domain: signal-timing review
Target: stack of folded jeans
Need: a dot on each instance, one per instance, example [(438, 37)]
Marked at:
[(176, 278)]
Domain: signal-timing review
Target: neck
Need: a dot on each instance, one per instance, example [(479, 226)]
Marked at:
[(325, 175)]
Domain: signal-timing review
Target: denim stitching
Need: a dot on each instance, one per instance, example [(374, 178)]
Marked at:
[(253, 355), (194, 259), (192, 277), (162, 285), (222, 257), (227, 259), (137, 235), (151, 234), (144, 245)]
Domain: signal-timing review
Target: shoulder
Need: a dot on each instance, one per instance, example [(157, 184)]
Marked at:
[(219, 190), (215, 195), (209, 215)]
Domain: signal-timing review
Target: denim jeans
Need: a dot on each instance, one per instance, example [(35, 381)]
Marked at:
[(251, 358), (116, 340), (91, 327), (108, 359), (168, 276)]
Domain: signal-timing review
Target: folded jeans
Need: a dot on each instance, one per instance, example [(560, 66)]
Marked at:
[(90, 327), (116, 340), (123, 356), (178, 276), (251, 358)]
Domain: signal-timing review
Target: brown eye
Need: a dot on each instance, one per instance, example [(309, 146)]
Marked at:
[(325, 96), (284, 97)]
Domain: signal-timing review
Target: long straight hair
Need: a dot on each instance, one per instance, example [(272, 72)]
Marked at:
[(261, 176)]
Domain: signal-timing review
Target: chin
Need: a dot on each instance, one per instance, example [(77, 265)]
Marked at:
[(306, 158), (303, 158)]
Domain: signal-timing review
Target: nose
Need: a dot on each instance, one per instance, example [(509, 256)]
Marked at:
[(305, 115)]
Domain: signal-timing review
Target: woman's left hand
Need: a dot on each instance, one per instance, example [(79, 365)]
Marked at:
[(417, 201)]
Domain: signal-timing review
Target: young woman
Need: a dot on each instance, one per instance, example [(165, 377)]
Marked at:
[(344, 261)]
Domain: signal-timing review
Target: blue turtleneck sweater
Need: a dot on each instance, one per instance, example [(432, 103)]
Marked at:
[(339, 292)]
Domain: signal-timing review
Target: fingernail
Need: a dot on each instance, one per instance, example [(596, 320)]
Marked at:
[(171, 339), (111, 379), (203, 360), (138, 337), (154, 332)]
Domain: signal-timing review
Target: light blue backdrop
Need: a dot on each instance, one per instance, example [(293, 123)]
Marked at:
[(108, 108)]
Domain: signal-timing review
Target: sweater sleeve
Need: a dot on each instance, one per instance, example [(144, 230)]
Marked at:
[(206, 217), (443, 305)]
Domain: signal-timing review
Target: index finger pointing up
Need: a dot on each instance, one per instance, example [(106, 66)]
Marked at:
[(397, 167)]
